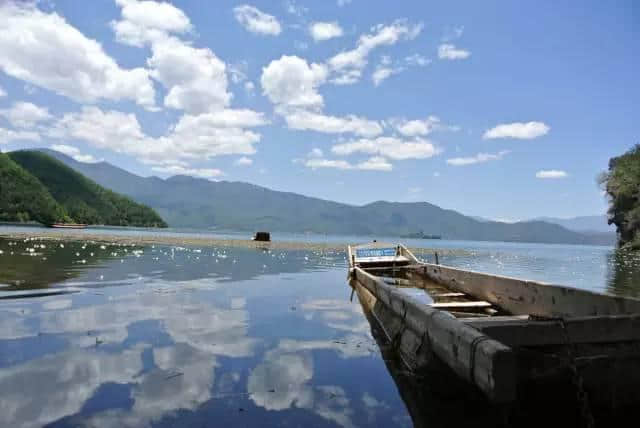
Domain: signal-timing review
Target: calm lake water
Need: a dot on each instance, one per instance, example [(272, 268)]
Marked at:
[(204, 336)]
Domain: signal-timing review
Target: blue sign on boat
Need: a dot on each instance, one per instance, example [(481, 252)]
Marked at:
[(375, 252)]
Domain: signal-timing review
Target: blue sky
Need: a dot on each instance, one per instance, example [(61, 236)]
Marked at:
[(506, 110)]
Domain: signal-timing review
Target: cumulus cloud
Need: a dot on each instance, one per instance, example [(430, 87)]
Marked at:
[(551, 173), (519, 130), (25, 115), (376, 163), (450, 52), (321, 31), (418, 127), (43, 49), (348, 65), (290, 81), (479, 158), (74, 152), (391, 147), (384, 70), (312, 121), (146, 21), (194, 137), (256, 21), (195, 77), (9, 135)]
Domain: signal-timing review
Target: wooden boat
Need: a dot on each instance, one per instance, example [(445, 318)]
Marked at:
[(505, 338), (68, 225)]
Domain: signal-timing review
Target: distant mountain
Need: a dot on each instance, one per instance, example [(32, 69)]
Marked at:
[(591, 223), (190, 202), (76, 198)]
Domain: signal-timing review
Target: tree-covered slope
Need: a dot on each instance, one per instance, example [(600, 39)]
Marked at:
[(83, 200), (622, 184), (23, 197)]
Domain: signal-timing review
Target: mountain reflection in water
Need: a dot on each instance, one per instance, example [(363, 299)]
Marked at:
[(203, 336)]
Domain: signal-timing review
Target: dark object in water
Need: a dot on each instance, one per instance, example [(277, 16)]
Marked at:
[(262, 236)]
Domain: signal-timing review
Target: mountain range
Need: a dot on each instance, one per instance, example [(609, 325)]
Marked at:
[(192, 202)]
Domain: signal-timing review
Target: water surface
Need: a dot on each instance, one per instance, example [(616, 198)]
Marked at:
[(206, 336)]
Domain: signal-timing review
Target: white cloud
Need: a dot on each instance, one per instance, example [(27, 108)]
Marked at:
[(291, 81), (43, 49), (376, 163), (9, 135), (417, 60), (479, 158), (195, 77), (244, 161), (308, 120), (194, 137), (74, 152), (255, 21), (348, 65), (519, 130), (3, 93), (551, 173), (147, 21), (25, 115), (449, 51), (391, 147), (208, 173), (384, 70), (417, 127), (321, 31)]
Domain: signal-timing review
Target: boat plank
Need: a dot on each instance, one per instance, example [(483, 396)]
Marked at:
[(514, 331), (461, 305)]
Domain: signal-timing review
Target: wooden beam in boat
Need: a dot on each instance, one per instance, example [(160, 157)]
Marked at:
[(519, 297), (435, 296), (461, 305), (472, 355), (515, 331)]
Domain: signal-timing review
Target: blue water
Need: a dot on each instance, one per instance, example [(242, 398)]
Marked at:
[(162, 335)]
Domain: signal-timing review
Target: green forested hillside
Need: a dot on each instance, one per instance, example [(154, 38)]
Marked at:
[(23, 197), (82, 200), (622, 184)]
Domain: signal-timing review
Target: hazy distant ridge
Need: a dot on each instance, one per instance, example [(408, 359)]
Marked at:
[(190, 202)]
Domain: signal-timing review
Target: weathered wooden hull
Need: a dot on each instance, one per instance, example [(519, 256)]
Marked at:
[(580, 348)]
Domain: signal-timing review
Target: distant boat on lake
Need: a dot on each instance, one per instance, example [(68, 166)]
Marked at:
[(69, 225), (421, 235)]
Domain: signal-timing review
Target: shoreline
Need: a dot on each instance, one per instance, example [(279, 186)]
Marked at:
[(70, 235)]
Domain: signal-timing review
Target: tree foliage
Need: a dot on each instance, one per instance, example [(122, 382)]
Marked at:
[(622, 184), (24, 198), (77, 198)]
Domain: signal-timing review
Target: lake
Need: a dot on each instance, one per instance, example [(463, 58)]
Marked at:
[(166, 335)]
